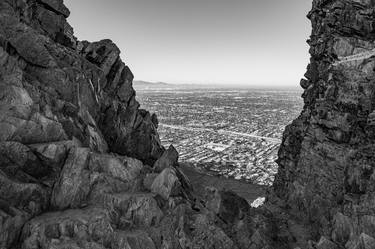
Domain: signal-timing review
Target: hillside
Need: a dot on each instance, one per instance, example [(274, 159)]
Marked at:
[(81, 166)]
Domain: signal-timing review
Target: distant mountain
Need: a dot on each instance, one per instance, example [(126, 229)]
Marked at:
[(140, 85), (146, 84)]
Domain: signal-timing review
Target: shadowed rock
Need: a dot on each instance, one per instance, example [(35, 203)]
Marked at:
[(326, 157), (166, 184), (168, 159), (74, 147)]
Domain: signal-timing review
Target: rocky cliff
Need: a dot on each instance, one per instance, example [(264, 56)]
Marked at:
[(81, 166), (327, 158)]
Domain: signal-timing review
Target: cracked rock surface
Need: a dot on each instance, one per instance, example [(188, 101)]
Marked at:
[(81, 166), (325, 183)]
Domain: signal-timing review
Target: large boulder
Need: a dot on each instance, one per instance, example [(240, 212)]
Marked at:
[(207, 235), (88, 228), (134, 210), (132, 240), (12, 221), (167, 184), (55, 230), (325, 243), (233, 214), (89, 177), (168, 159), (16, 158), (57, 5), (342, 229), (53, 154), (73, 186), (364, 241), (19, 201)]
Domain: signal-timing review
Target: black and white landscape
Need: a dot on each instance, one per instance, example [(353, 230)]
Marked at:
[(221, 153)]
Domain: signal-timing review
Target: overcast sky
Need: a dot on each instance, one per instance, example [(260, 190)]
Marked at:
[(253, 42)]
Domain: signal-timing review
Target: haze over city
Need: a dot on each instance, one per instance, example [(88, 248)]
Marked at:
[(239, 42)]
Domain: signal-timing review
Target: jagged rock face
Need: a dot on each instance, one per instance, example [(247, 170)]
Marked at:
[(54, 88), (327, 158), (57, 95), (75, 147), (76, 152)]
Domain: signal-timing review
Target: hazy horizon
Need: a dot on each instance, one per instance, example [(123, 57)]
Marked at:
[(254, 85), (239, 42), (139, 85)]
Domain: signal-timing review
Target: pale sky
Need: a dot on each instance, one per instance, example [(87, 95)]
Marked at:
[(252, 42)]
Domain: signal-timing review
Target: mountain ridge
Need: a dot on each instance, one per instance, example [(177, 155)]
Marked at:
[(139, 84)]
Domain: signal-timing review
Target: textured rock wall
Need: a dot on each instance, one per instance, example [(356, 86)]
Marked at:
[(76, 152), (58, 94), (54, 87), (327, 158), (81, 166)]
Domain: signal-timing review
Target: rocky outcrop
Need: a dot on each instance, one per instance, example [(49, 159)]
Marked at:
[(81, 166), (62, 103), (55, 88), (168, 159), (326, 160)]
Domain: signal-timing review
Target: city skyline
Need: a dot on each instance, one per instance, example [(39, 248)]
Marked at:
[(241, 42)]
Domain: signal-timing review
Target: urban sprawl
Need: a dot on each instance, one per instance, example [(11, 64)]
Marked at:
[(231, 133)]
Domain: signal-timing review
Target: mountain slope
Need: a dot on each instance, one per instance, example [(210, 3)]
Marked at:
[(326, 160), (81, 166)]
